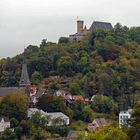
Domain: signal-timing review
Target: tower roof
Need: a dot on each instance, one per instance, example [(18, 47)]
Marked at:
[(24, 80)]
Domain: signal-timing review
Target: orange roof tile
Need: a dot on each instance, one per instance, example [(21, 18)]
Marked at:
[(78, 97)]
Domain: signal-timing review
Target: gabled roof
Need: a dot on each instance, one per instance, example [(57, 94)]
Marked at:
[(97, 25), (10, 90), (101, 121), (40, 92), (31, 111), (129, 111), (72, 134), (55, 115), (6, 119), (61, 92)]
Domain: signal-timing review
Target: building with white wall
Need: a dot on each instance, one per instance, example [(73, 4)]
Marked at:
[(58, 118), (124, 117), (4, 123)]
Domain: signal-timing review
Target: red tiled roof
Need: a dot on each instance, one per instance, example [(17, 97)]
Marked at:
[(78, 97)]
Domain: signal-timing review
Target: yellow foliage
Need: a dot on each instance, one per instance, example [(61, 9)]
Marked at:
[(17, 99)]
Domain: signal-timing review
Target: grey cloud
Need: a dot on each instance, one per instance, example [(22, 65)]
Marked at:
[(29, 21)]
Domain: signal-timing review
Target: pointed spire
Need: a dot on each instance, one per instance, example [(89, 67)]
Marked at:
[(24, 55), (24, 80), (85, 28)]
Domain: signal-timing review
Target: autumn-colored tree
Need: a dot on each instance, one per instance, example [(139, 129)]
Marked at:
[(14, 106), (51, 103)]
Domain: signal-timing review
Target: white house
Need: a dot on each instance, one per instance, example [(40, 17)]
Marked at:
[(61, 117), (92, 98), (64, 94), (124, 117), (32, 111), (4, 123), (57, 117)]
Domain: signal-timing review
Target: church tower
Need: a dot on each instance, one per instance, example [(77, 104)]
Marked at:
[(24, 80)]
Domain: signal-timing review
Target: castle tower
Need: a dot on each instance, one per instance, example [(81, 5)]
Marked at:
[(24, 80), (80, 24)]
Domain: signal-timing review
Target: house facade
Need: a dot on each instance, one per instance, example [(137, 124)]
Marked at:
[(58, 117), (124, 117), (4, 123), (34, 94)]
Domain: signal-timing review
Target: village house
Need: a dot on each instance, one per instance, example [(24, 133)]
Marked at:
[(78, 98), (63, 93), (97, 124), (34, 94), (81, 98), (72, 134), (4, 123), (52, 116), (93, 97), (69, 98), (32, 111), (64, 119), (124, 117), (66, 95)]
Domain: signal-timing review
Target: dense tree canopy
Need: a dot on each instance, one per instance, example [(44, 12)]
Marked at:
[(14, 105), (104, 104), (134, 130), (108, 132), (103, 62), (51, 103), (106, 64)]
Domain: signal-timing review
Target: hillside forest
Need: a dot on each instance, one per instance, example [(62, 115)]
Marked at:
[(103, 63)]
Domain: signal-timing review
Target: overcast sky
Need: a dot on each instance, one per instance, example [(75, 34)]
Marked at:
[(30, 21)]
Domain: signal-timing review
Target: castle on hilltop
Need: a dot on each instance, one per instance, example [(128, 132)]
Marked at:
[(82, 30)]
